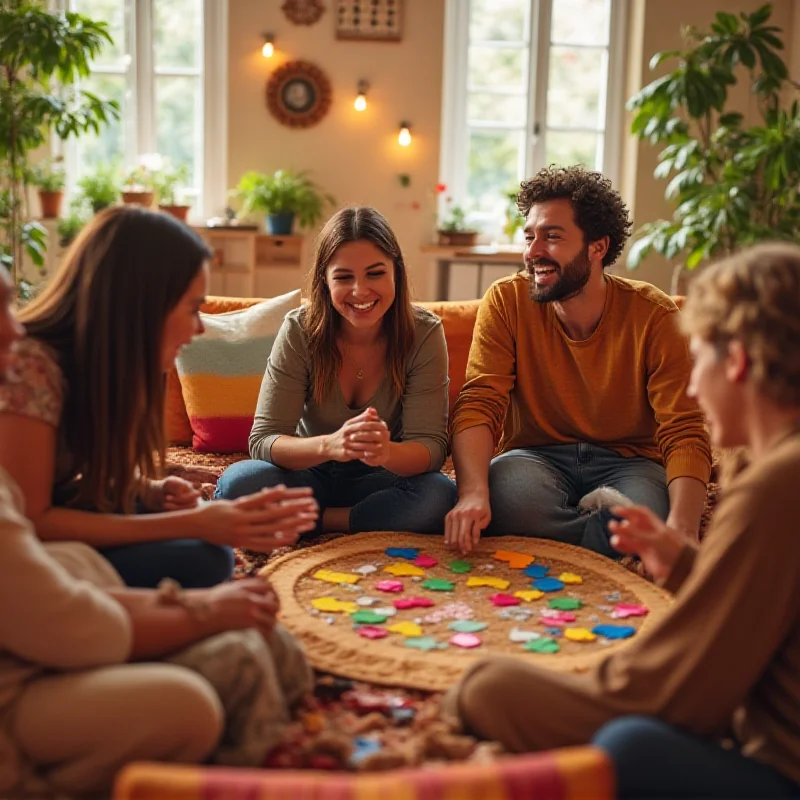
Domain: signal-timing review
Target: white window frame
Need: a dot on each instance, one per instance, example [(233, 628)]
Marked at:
[(140, 120), (455, 128)]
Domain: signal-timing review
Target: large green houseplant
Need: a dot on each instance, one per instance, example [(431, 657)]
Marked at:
[(732, 183), (282, 197), (42, 57)]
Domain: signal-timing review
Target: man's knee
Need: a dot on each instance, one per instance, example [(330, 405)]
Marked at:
[(627, 739), (476, 697)]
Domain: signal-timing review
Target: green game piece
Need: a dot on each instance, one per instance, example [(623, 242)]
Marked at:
[(467, 626), (460, 567), (542, 646), (423, 643), (565, 603), (367, 617), (438, 585)]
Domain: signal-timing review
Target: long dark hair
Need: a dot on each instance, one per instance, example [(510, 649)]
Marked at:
[(322, 321), (103, 314)]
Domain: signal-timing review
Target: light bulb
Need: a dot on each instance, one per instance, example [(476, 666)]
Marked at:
[(360, 103), (404, 137), (268, 50)]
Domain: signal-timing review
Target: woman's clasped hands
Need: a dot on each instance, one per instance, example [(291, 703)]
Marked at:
[(363, 438)]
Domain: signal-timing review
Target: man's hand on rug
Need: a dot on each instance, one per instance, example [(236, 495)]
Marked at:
[(640, 532), (170, 494), (246, 603), (464, 523)]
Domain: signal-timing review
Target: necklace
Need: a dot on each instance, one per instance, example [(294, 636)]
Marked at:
[(359, 368)]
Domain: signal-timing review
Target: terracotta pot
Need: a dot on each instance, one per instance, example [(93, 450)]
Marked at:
[(51, 203), (138, 198), (179, 212), (458, 238)]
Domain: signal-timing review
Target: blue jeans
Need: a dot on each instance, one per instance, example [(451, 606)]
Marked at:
[(534, 491), (653, 759), (379, 500)]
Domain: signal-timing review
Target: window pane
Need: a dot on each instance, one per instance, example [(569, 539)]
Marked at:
[(485, 107), (500, 68), (498, 20), (581, 21), (109, 146), (494, 158), (576, 81), (178, 122), (568, 147), (178, 27), (112, 12)]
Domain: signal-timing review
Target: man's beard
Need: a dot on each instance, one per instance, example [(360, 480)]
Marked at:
[(574, 276)]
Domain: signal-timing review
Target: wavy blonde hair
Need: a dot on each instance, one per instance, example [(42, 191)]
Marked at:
[(753, 297)]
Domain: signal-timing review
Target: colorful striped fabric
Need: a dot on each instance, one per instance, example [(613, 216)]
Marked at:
[(220, 372), (569, 774)]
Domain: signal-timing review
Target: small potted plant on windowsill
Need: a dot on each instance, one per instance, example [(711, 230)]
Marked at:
[(48, 177), (170, 182), (282, 197), (100, 188), (138, 187), (452, 229)]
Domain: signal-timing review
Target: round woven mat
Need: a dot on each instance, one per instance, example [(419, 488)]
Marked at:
[(333, 644)]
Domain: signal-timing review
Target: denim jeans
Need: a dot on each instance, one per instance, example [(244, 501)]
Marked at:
[(534, 491), (379, 500), (654, 759)]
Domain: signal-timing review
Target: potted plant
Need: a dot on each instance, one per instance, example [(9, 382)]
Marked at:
[(732, 184), (514, 220), (48, 177), (282, 197), (70, 226), (453, 229), (101, 187), (169, 184), (138, 186)]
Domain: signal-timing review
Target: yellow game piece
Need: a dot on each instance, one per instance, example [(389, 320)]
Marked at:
[(579, 634), (570, 577), (403, 570), (529, 594), (332, 605), (405, 629), (494, 583), (336, 577)]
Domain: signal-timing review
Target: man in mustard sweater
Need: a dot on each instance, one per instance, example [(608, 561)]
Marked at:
[(581, 377)]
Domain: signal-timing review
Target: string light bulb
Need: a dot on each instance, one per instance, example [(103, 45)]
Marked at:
[(268, 50), (360, 103), (404, 137)]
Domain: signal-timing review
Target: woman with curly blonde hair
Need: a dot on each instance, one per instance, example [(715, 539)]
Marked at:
[(704, 702)]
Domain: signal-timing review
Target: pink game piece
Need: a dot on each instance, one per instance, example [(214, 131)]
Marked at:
[(389, 586), (466, 640), (501, 599), (412, 602), (425, 561), (552, 617), (372, 632), (624, 610)]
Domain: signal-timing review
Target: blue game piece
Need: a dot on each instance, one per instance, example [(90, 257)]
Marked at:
[(614, 631), (402, 552), (554, 631), (363, 746), (536, 571), (548, 584)]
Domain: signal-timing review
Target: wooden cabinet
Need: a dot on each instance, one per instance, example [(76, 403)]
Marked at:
[(247, 263)]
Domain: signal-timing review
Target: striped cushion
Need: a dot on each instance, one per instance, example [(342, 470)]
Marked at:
[(220, 372)]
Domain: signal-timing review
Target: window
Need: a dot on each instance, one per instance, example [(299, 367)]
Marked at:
[(527, 83), (167, 70)]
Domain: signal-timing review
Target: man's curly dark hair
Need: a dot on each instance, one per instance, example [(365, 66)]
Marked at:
[(598, 208)]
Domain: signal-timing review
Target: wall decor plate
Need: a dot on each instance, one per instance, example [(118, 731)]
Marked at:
[(369, 20), (303, 12), (333, 643), (298, 94)]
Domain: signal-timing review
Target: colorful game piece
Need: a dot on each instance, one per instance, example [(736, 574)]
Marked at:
[(528, 595), (467, 626), (402, 552), (336, 577), (387, 611), (460, 567), (625, 610), (389, 586), (536, 571), (367, 617), (423, 643), (554, 631), (425, 561), (403, 570), (372, 632), (364, 746), (412, 602), (516, 613), (513, 559), (438, 585), (501, 599), (547, 584), (565, 603), (332, 605), (366, 569), (406, 629), (542, 646), (519, 635), (466, 640), (570, 577), (494, 583), (551, 616), (450, 611), (614, 597), (614, 631), (366, 600), (579, 635)]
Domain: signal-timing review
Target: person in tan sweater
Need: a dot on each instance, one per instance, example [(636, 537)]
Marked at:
[(705, 702), (581, 378)]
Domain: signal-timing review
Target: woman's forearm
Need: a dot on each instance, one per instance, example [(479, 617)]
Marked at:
[(295, 452), (408, 458)]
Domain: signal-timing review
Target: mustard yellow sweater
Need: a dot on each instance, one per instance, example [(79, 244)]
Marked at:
[(623, 388)]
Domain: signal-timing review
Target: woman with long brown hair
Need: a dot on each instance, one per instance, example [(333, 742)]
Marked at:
[(354, 398), (81, 425)]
